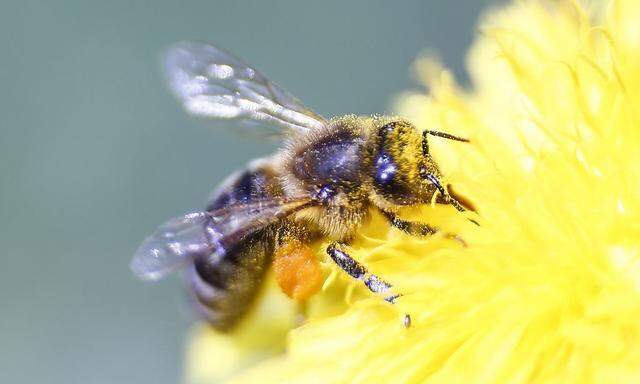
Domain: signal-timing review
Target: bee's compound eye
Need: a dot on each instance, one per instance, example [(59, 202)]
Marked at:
[(326, 192), (385, 169)]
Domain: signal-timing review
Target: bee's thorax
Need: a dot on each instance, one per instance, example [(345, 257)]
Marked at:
[(335, 159)]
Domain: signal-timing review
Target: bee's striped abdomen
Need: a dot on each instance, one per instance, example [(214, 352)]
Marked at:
[(224, 287)]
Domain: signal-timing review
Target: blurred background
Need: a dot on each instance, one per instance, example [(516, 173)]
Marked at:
[(94, 154)]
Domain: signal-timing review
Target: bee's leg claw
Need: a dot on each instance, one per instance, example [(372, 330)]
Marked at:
[(406, 321), (358, 271)]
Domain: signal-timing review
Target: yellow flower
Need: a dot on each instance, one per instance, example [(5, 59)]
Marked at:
[(548, 288)]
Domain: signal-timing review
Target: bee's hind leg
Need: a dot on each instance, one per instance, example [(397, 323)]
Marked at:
[(358, 271)]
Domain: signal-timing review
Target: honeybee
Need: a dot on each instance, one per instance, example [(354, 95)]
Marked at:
[(322, 184)]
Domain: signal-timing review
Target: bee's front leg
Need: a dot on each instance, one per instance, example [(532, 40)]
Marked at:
[(415, 228), (411, 227)]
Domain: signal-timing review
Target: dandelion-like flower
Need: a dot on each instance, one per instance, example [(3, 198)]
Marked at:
[(548, 288)]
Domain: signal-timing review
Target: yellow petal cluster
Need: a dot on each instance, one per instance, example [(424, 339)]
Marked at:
[(548, 287)]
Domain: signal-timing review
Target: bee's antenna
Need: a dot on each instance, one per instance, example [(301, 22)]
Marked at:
[(447, 136), (425, 142), (434, 180)]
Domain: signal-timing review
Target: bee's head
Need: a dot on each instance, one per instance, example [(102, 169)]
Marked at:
[(404, 172)]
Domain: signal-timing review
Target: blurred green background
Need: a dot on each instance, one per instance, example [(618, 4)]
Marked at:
[(94, 154)]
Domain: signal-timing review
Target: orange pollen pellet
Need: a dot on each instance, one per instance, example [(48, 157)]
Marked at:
[(297, 270)]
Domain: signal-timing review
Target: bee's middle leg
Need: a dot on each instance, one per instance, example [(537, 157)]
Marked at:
[(358, 271)]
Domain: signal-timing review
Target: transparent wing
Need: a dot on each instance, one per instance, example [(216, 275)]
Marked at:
[(202, 234), (212, 83), (173, 244)]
